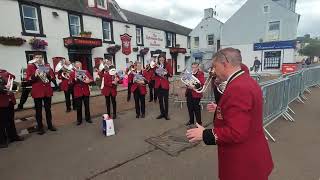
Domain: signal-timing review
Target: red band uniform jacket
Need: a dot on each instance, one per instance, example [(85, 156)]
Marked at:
[(80, 88), (243, 150), (163, 82), (109, 88), (39, 88), (142, 88), (7, 99), (199, 75)]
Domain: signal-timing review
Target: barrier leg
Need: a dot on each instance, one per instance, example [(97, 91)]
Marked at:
[(272, 138), (289, 117), (291, 110), (300, 100), (308, 90)]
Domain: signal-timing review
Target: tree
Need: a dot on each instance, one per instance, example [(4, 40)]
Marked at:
[(312, 49)]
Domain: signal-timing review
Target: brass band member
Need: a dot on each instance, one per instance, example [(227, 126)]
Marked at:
[(193, 98), (129, 70), (8, 131), (64, 68), (139, 90), (151, 68), (109, 88), (41, 75), (162, 74), (25, 89), (80, 80)]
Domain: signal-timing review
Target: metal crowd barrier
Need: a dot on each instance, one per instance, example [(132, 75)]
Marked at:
[(279, 93)]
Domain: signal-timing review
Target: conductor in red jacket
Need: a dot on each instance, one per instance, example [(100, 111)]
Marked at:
[(139, 89), (80, 80), (8, 131), (243, 151), (193, 98), (162, 75), (110, 81), (41, 75)]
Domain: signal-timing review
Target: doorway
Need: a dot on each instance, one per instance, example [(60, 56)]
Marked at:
[(83, 56)]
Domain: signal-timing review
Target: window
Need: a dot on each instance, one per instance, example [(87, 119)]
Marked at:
[(210, 39), (107, 30), (170, 39), (139, 37), (266, 9), (274, 31), (75, 25), (102, 4), (189, 42), (196, 41), (31, 20), (272, 60)]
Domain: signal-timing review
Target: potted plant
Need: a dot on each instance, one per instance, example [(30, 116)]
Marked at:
[(113, 49), (135, 49), (38, 43), (12, 41), (144, 51), (86, 34)]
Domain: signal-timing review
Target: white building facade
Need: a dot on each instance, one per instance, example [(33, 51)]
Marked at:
[(266, 29), (60, 22), (205, 37)]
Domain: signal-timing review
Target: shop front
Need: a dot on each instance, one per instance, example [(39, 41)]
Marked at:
[(80, 49)]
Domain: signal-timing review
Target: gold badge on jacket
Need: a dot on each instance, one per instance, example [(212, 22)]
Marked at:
[(219, 113)]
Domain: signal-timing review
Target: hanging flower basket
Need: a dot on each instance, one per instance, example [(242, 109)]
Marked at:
[(135, 49), (38, 44), (113, 49), (12, 41), (144, 51), (86, 34)]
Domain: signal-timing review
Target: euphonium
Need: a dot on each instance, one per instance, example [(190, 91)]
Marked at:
[(190, 80)]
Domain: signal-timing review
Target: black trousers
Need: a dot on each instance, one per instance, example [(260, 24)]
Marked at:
[(24, 96), (46, 102), (140, 102), (112, 99), (7, 126), (78, 103), (194, 109), (68, 94), (129, 91), (163, 96), (152, 91)]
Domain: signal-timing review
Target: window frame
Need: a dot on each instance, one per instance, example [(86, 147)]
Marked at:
[(111, 41), (81, 22), (273, 31), (212, 39), (194, 42), (173, 40), (189, 42), (141, 36), (105, 4), (25, 32)]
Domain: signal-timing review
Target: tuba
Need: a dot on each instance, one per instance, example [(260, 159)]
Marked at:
[(43, 71)]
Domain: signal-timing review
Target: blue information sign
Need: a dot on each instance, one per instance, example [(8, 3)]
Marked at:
[(274, 45)]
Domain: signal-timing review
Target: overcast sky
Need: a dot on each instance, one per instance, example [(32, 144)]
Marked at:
[(190, 12)]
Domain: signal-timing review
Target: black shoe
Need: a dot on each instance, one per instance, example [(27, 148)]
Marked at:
[(160, 116), (41, 132), (167, 118), (150, 100), (68, 110), (19, 108), (142, 116), (137, 116), (79, 123), (17, 138), (128, 99), (189, 123), (89, 121), (3, 146), (52, 128), (155, 101)]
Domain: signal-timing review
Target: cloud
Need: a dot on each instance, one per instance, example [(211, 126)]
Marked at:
[(190, 12)]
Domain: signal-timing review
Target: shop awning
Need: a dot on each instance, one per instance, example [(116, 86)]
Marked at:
[(83, 43)]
